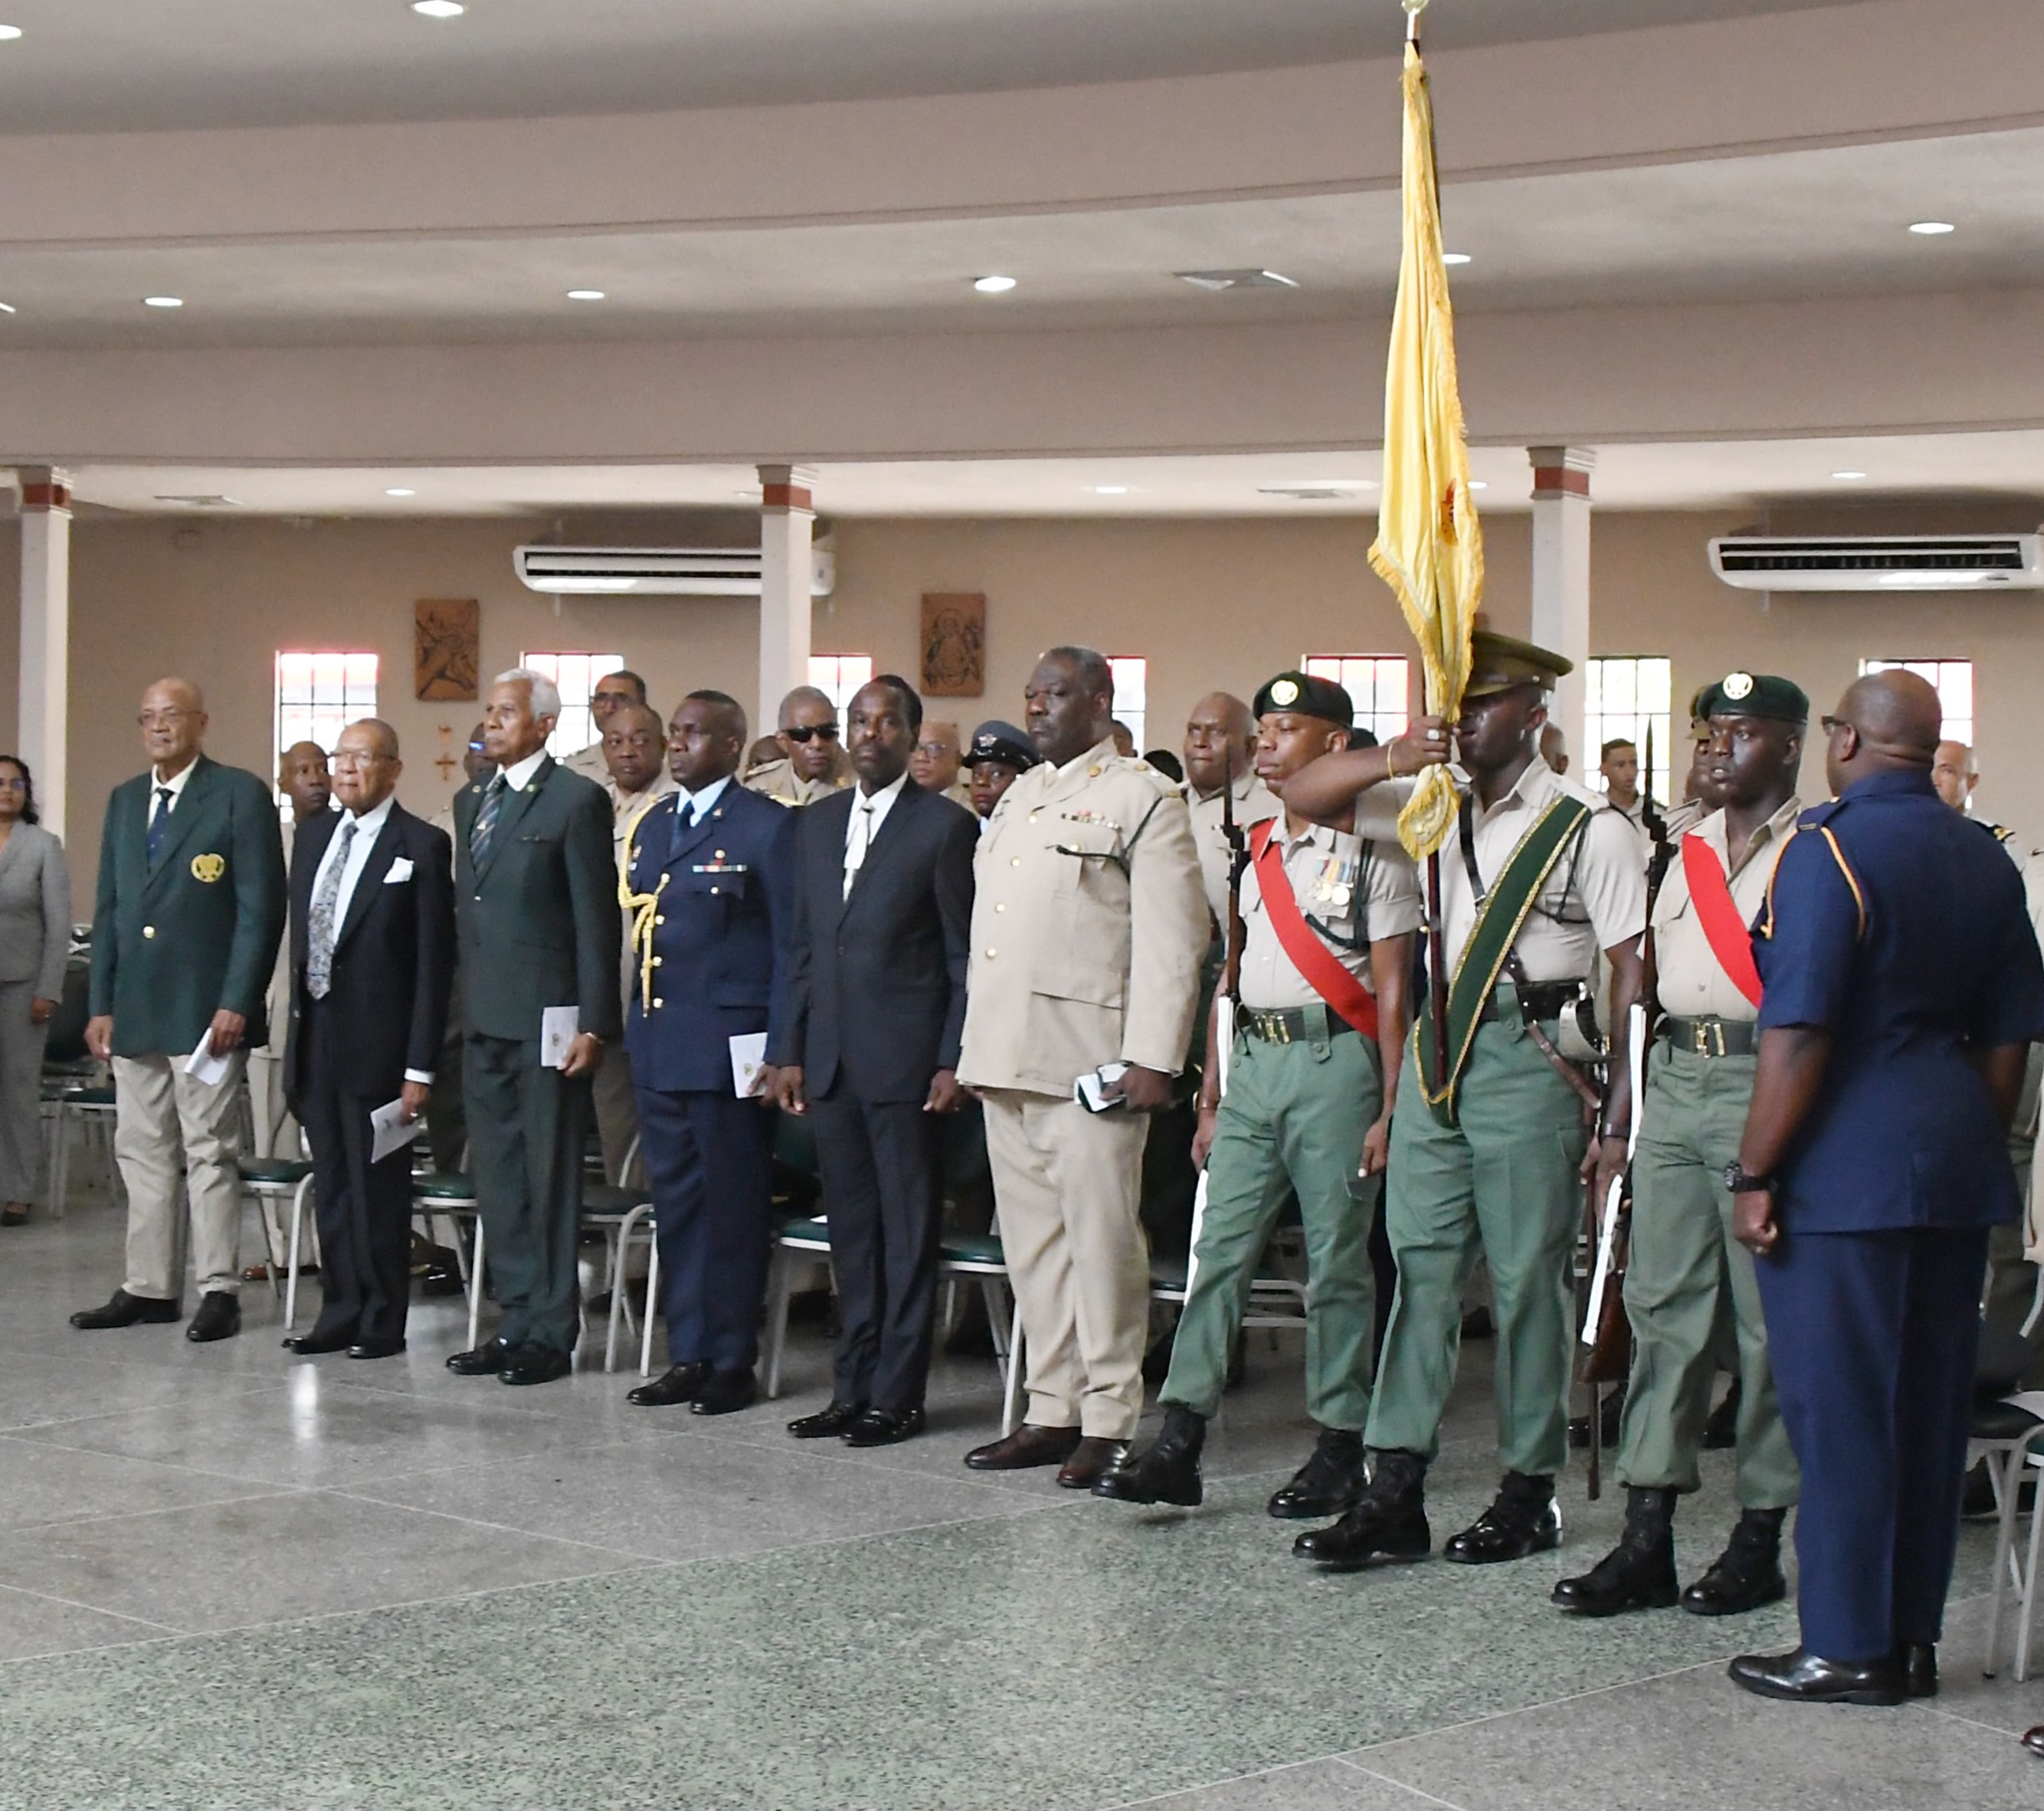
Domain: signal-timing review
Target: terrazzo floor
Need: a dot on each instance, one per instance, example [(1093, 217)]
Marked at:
[(231, 1579)]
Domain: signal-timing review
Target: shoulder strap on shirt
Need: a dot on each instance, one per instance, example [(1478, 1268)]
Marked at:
[(1315, 961), (1723, 929)]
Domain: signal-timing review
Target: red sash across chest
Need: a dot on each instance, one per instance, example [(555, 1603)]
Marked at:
[(1342, 991), (1724, 926)]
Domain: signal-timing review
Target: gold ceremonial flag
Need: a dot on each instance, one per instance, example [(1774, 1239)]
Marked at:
[(1430, 547)]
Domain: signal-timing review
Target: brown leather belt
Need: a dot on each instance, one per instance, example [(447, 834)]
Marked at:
[(1712, 1035)]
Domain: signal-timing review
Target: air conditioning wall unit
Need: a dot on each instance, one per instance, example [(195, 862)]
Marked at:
[(1880, 562), (660, 572)]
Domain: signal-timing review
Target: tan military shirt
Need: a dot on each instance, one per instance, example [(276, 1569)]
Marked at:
[(1594, 898), (1088, 927), (1359, 890), (780, 782), (589, 762), (1254, 801), (1693, 982)]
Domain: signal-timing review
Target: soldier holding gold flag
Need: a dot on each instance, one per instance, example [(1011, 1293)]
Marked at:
[(1491, 1128)]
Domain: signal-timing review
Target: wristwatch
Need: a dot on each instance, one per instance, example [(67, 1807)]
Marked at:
[(1739, 1183)]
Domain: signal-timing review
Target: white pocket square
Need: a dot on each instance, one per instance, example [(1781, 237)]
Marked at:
[(401, 869)]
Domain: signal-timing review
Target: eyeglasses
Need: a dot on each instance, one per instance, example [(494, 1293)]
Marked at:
[(15, 784), (1831, 726), (933, 748), (348, 757), (153, 720), (828, 733)]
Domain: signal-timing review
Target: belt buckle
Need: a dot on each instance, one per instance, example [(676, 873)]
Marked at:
[(1717, 1030), (1281, 1028)]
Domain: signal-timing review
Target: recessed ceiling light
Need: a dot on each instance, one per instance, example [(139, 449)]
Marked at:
[(7, 309), (163, 301), (398, 490), (993, 285), (585, 295), (1109, 490), (1479, 484), (8, 33), (1931, 228), (1847, 477), (438, 9), (1456, 257)]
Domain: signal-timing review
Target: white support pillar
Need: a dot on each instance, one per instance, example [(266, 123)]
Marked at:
[(786, 515), (1561, 579), (44, 716)]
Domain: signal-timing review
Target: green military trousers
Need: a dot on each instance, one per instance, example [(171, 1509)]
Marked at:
[(1293, 1113), (1503, 1181), (1688, 1285)]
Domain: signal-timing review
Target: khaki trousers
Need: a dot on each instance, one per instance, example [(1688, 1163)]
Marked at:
[(1067, 1189), (175, 1140), (616, 1110)]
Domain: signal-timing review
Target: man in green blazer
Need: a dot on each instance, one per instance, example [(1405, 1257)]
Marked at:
[(191, 905), (536, 909)]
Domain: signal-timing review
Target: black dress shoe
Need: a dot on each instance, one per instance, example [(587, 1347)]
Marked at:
[(480, 1361), (1026, 1446), (125, 1310), (313, 1344), (1167, 1471), (534, 1363), (1387, 1525), (1521, 1522), (2033, 1739), (1746, 1574), (1331, 1483), (219, 1317), (1638, 1573), (1802, 1677), (1919, 1669), (884, 1427), (827, 1421), (376, 1348), (1092, 1459), (677, 1384), (725, 1392)]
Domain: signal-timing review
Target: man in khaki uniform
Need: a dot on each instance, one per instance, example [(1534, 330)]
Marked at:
[(611, 693), (1487, 1142), (811, 764), (1221, 738), (635, 775), (936, 766), (1688, 1282), (1088, 925)]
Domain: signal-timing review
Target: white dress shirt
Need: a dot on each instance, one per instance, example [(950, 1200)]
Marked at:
[(369, 826), (519, 774), (868, 812), (175, 784), (690, 806)]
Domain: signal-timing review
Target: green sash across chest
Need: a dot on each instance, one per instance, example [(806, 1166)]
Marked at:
[(1499, 916)]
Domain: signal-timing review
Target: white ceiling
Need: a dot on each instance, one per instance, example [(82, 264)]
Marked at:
[(139, 65), (2008, 468), (1784, 225)]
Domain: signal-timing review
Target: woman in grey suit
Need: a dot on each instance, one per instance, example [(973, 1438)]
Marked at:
[(35, 941)]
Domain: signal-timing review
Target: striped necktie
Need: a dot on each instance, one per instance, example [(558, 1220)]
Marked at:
[(159, 826), (485, 826)]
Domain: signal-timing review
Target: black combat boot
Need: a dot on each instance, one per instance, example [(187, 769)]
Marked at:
[(1388, 1524), (1521, 1522), (1329, 1483), (1167, 1472), (1747, 1573), (1638, 1573)]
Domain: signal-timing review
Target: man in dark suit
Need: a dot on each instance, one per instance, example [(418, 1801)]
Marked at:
[(883, 924), (536, 908), (191, 905), (371, 960), (710, 880)]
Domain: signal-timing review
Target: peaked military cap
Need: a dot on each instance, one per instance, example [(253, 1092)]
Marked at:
[(1305, 695), (1760, 694), (996, 740), (1498, 663)]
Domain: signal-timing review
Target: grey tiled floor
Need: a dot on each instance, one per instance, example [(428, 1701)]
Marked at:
[(228, 1579)]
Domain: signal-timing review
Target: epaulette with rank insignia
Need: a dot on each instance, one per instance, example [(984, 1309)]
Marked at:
[(1818, 819)]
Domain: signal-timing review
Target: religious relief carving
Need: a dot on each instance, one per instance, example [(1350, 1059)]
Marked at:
[(953, 644), (446, 647)]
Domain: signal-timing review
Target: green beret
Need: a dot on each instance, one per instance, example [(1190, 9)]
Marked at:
[(1502, 663), (1306, 695), (1760, 695)]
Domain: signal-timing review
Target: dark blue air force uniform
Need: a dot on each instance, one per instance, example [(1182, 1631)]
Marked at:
[(1897, 926), (720, 895)]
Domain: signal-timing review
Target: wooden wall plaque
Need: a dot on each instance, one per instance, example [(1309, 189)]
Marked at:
[(446, 647), (953, 644)]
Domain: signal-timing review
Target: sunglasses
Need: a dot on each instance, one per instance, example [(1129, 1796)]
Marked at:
[(828, 732)]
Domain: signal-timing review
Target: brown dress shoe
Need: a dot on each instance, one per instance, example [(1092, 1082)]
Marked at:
[(1092, 1459), (1027, 1446)]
